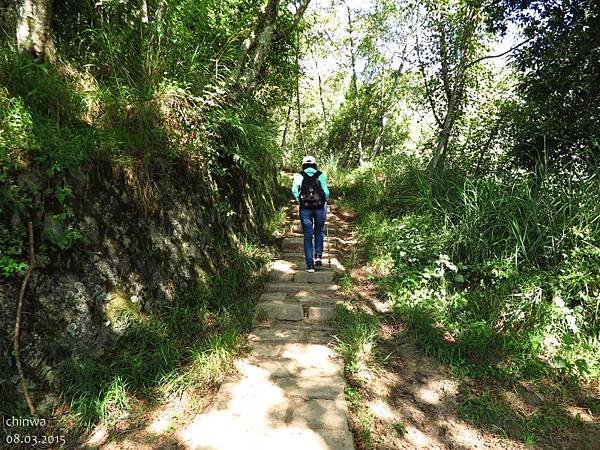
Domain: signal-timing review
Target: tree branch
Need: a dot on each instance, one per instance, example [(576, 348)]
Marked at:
[(427, 91), (478, 60), (297, 18), (18, 323)]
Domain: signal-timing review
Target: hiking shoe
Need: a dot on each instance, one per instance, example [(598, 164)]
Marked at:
[(318, 262), (310, 269)]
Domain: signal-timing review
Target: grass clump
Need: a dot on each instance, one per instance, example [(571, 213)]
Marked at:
[(499, 274), (357, 333)]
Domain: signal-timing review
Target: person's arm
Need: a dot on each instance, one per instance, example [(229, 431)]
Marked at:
[(323, 180), (296, 186)]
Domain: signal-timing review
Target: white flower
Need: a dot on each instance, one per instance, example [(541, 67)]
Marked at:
[(559, 302), (572, 323), (551, 342)]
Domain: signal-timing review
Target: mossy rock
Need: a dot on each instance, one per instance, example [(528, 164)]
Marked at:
[(121, 304)]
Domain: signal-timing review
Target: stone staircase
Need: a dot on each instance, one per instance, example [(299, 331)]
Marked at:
[(289, 391)]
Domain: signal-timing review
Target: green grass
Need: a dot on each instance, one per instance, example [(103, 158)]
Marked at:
[(190, 345), (364, 421), (352, 396), (357, 334), (400, 428), (494, 276)]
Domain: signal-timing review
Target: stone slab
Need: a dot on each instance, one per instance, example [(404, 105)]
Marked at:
[(265, 349), (296, 229), (293, 243), (300, 264), (272, 297), (223, 431), (298, 255), (255, 399), (320, 337), (277, 335), (282, 311), (282, 270), (318, 299), (321, 414), (321, 313), (320, 277), (280, 276), (302, 367), (328, 388), (307, 288)]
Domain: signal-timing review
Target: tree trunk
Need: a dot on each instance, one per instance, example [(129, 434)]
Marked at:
[(454, 89), (17, 332), (285, 130), (256, 47), (324, 110), (298, 110), (444, 136), (33, 28), (144, 12), (378, 146), (354, 86)]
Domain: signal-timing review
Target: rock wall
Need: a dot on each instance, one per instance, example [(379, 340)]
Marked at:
[(142, 245)]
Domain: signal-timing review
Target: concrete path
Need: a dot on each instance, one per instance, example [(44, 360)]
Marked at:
[(289, 391)]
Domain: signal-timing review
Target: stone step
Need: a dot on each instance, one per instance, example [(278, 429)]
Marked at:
[(329, 247), (309, 300), (321, 313), (287, 335), (282, 310), (298, 262), (319, 277), (327, 388), (303, 367), (298, 255), (305, 355), (301, 276), (301, 288), (282, 270), (296, 228), (206, 431), (296, 243)]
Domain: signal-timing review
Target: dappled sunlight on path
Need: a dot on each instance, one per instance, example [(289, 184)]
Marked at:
[(288, 392)]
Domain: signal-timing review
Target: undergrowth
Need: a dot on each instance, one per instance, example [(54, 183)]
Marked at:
[(190, 345), (498, 276)]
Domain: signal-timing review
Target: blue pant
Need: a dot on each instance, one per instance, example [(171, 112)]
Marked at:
[(313, 221)]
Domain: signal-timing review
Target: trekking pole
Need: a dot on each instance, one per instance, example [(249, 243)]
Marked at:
[(328, 248)]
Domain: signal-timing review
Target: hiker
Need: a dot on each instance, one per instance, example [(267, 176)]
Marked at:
[(311, 192)]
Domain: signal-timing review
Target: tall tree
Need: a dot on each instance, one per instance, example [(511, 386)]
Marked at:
[(33, 27), (320, 84), (256, 47), (446, 47), (354, 85), (559, 67)]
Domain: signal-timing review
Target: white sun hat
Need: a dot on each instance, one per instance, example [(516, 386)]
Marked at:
[(309, 160)]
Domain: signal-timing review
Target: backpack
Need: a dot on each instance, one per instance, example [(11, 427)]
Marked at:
[(312, 195)]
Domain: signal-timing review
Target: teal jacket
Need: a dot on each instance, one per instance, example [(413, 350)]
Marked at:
[(297, 183)]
